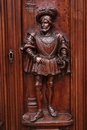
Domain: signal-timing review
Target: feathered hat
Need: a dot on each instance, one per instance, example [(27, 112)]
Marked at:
[(52, 12)]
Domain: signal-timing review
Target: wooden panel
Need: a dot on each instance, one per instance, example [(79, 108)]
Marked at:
[(72, 25), (29, 22), (15, 21), (77, 62), (11, 90), (62, 87), (2, 65), (77, 41), (85, 90)]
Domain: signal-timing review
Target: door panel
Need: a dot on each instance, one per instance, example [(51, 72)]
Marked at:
[(12, 91), (63, 25), (16, 18)]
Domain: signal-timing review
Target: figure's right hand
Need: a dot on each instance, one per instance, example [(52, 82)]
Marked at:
[(38, 59)]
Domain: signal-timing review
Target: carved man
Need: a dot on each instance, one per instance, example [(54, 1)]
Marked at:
[(49, 53)]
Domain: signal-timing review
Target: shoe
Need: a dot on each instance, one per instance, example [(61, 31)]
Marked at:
[(53, 113), (25, 117), (37, 116)]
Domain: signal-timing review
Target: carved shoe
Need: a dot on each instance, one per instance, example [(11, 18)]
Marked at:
[(52, 111), (26, 116), (37, 116)]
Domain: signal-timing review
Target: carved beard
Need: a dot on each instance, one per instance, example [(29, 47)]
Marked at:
[(44, 30)]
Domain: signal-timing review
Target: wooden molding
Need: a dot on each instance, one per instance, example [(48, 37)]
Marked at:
[(77, 62)]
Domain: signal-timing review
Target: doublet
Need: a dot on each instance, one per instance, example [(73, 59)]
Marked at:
[(45, 47)]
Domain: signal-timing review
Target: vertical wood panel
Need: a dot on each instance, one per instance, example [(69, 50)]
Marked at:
[(73, 63), (85, 92), (28, 81), (76, 34), (18, 66), (28, 21), (77, 63), (63, 26), (2, 116), (10, 43)]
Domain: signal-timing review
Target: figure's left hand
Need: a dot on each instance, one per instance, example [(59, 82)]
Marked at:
[(63, 65), (59, 61)]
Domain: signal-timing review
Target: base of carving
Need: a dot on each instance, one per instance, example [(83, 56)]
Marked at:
[(62, 120)]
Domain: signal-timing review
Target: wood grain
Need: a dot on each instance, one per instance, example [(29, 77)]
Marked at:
[(15, 86)]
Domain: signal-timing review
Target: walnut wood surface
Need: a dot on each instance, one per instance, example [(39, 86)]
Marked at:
[(71, 91)]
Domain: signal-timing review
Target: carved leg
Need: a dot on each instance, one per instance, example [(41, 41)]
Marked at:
[(49, 94), (39, 96)]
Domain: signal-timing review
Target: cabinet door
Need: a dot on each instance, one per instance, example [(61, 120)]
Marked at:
[(17, 17)]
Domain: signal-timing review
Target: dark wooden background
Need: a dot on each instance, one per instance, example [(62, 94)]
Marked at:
[(15, 86)]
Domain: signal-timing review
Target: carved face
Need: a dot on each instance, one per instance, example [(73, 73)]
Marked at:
[(45, 24), (63, 52)]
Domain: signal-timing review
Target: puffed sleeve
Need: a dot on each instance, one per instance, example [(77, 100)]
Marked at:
[(29, 45), (29, 50)]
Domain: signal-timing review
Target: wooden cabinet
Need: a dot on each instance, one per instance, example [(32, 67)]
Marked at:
[(16, 87)]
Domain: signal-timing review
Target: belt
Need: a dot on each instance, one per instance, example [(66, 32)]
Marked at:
[(47, 57)]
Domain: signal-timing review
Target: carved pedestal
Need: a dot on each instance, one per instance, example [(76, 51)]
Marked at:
[(62, 122)]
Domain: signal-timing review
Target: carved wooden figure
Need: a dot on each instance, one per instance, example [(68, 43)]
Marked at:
[(48, 56)]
